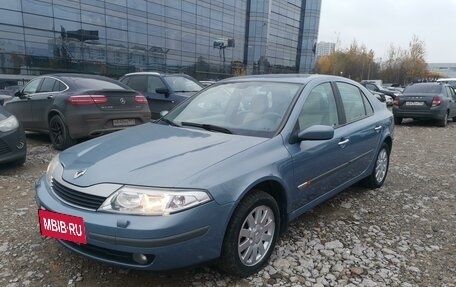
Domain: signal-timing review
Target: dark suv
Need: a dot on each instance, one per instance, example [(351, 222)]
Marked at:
[(426, 101), (163, 92)]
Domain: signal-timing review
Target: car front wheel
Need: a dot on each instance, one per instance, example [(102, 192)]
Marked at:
[(251, 234), (59, 134), (378, 175)]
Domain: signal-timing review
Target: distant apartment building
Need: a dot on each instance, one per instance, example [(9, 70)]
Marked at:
[(325, 49), (447, 70)]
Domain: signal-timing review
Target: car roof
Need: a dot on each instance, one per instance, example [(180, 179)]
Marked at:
[(62, 76), (291, 78), (156, 74)]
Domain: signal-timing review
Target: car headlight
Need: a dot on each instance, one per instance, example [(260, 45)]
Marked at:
[(51, 167), (9, 124), (153, 201)]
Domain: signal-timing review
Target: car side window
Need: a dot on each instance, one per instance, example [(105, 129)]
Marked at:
[(449, 92), (154, 83), (368, 105), (47, 85), (58, 87), (32, 87), (352, 99), (371, 87), (319, 108), (138, 83)]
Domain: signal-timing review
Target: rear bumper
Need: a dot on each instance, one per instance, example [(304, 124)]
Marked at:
[(101, 122), (432, 113)]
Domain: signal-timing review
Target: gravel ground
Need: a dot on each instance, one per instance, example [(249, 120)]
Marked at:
[(400, 235)]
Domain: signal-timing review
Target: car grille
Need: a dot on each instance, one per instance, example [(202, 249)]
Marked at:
[(4, 148), (77, 198)]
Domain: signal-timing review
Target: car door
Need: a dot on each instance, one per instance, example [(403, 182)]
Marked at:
[(315, 162), (41, 102), (360, 134), (21, 106), (452, 101)]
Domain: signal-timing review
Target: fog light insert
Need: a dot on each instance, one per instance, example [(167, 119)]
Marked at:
[(20, 145), (140, 258)]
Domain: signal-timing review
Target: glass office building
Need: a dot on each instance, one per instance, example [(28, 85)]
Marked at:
[(208, 39)]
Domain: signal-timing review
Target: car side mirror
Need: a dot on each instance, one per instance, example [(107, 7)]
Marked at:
[(19, 94), (316, 133), (163, 113), (163, 91)]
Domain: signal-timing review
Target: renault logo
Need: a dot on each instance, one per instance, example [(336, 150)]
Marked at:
[(123, 101), (79, 173)]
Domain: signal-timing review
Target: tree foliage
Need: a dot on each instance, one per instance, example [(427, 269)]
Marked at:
[(358, 63)]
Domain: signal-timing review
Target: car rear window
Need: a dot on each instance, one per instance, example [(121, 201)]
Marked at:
[(97, 84), (424, 89)]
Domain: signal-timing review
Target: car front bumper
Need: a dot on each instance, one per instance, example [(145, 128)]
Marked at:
[(12, 146), (169, 242)]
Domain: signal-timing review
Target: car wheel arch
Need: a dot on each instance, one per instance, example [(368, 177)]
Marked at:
[(389, 142), (277, 190), (54, 112)]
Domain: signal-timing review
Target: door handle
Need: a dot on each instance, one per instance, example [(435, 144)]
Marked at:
[(343, 143), (50, 97), (378, 128)]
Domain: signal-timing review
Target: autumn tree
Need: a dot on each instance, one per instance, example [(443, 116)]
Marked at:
[(357, 62)]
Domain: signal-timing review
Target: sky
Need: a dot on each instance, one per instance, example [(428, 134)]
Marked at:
[(379, 23)]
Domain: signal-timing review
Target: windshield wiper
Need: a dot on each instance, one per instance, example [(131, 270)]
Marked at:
[(170, 122), (208, 127)]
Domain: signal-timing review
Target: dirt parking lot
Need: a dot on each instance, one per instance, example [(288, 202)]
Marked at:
[(403, 234)]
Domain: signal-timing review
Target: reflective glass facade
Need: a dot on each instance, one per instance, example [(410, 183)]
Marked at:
[(208, 39)]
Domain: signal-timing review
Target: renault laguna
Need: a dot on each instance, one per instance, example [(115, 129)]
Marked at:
[(219, 177)]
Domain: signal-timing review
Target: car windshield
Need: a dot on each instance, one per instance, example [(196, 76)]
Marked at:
[(424, 89), (182, 84), (245, 108)]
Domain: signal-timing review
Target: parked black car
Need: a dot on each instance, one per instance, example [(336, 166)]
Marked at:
[(426, 101), (379, 89), (163, 92), (13, 147), (73, 106)]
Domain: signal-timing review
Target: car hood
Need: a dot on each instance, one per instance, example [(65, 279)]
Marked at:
[(150, 155)]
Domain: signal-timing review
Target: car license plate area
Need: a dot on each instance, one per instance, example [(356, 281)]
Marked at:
[(414, 103), (123, 122), (62, 226)]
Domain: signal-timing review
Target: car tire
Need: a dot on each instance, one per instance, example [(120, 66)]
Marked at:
[(19, 162), (59, 134), (378, 175), (397, 120), (246, 234), (443, 122)]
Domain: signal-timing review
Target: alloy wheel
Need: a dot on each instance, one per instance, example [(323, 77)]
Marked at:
[(256, 235), (381, 166), (57, 132)]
